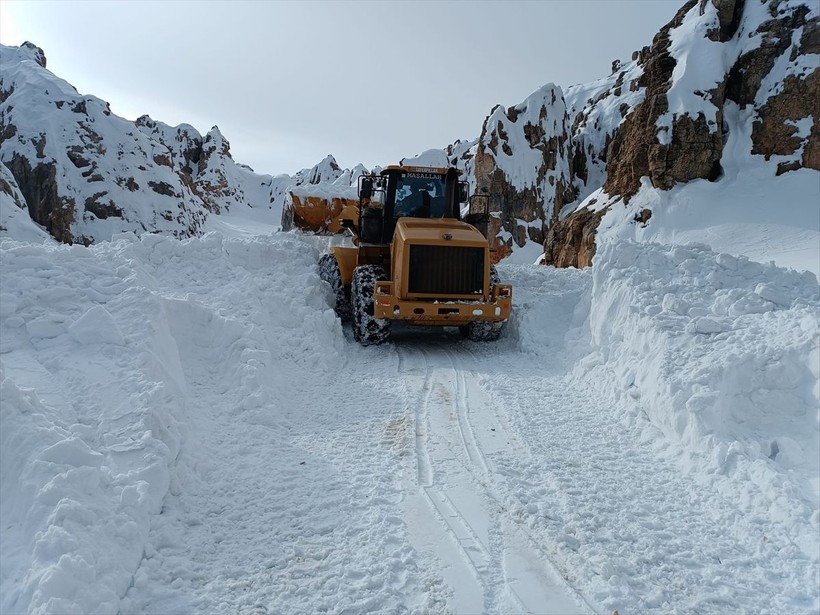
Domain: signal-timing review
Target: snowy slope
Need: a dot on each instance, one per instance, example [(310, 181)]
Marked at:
[(187, 427)]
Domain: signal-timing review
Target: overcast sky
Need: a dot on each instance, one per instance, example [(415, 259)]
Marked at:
[(290, 82)]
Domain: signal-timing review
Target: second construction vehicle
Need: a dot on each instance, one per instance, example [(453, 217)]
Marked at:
[(414, 259)]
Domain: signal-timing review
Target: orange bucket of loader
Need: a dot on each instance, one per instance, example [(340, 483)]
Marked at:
[(319, 214)]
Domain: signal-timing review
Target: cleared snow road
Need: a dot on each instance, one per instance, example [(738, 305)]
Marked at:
[(254, 459), (434, 474), (383, 498), (453, 508)]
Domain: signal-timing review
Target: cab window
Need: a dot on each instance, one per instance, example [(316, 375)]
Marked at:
[(420, 195)]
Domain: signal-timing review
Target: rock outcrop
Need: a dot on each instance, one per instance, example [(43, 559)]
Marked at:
[(758, 60), (677, 134), (15, 221), (522, 160), (571, 242)]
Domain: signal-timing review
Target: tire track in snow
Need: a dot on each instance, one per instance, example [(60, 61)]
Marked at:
[(514, 548), (462, 410), (514, 575), (433, 517), (480, 471), (425, 469), (517, 536)]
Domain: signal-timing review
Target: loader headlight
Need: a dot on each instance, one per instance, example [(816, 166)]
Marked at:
[(384, 288)]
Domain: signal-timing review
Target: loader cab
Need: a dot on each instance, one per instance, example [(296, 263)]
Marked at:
[(399, 191)]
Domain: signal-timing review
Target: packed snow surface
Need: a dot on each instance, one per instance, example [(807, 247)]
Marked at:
[(186, 427)]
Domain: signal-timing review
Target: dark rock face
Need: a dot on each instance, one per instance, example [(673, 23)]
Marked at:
[(729, 12), (571, 241), (39, 188)]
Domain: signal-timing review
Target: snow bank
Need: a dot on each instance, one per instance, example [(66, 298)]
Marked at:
[(95, 403), (721, 355), (85, 456)]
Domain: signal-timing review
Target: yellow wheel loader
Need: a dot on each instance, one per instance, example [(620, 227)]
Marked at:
[(415, 259)]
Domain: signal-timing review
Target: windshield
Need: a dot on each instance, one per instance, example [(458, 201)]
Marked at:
[(420, 195)]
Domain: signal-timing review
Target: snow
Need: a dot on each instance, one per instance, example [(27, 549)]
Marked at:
[(699, 68), (545, 108), (186, 427), (429, 158)]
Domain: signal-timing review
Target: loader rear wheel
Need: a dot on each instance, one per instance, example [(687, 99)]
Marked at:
[(366, 328), (330, 273)]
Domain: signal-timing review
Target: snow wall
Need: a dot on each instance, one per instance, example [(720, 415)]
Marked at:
[(721, 355), (95, 344)]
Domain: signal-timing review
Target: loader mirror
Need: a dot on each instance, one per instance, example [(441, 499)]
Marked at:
[(462, 192), (365, 188)]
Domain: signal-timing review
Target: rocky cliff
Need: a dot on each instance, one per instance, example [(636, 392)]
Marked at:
[(718, 66)]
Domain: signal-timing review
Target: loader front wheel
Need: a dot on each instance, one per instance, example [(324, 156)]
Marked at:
[(366, 328), (484, 330), (330, 273)]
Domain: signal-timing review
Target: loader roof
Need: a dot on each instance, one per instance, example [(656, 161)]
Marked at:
[(414, 169)]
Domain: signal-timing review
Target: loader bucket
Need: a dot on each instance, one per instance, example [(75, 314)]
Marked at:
[(321, 215)]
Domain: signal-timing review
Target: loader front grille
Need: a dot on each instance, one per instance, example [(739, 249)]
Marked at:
[(446, 270)]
